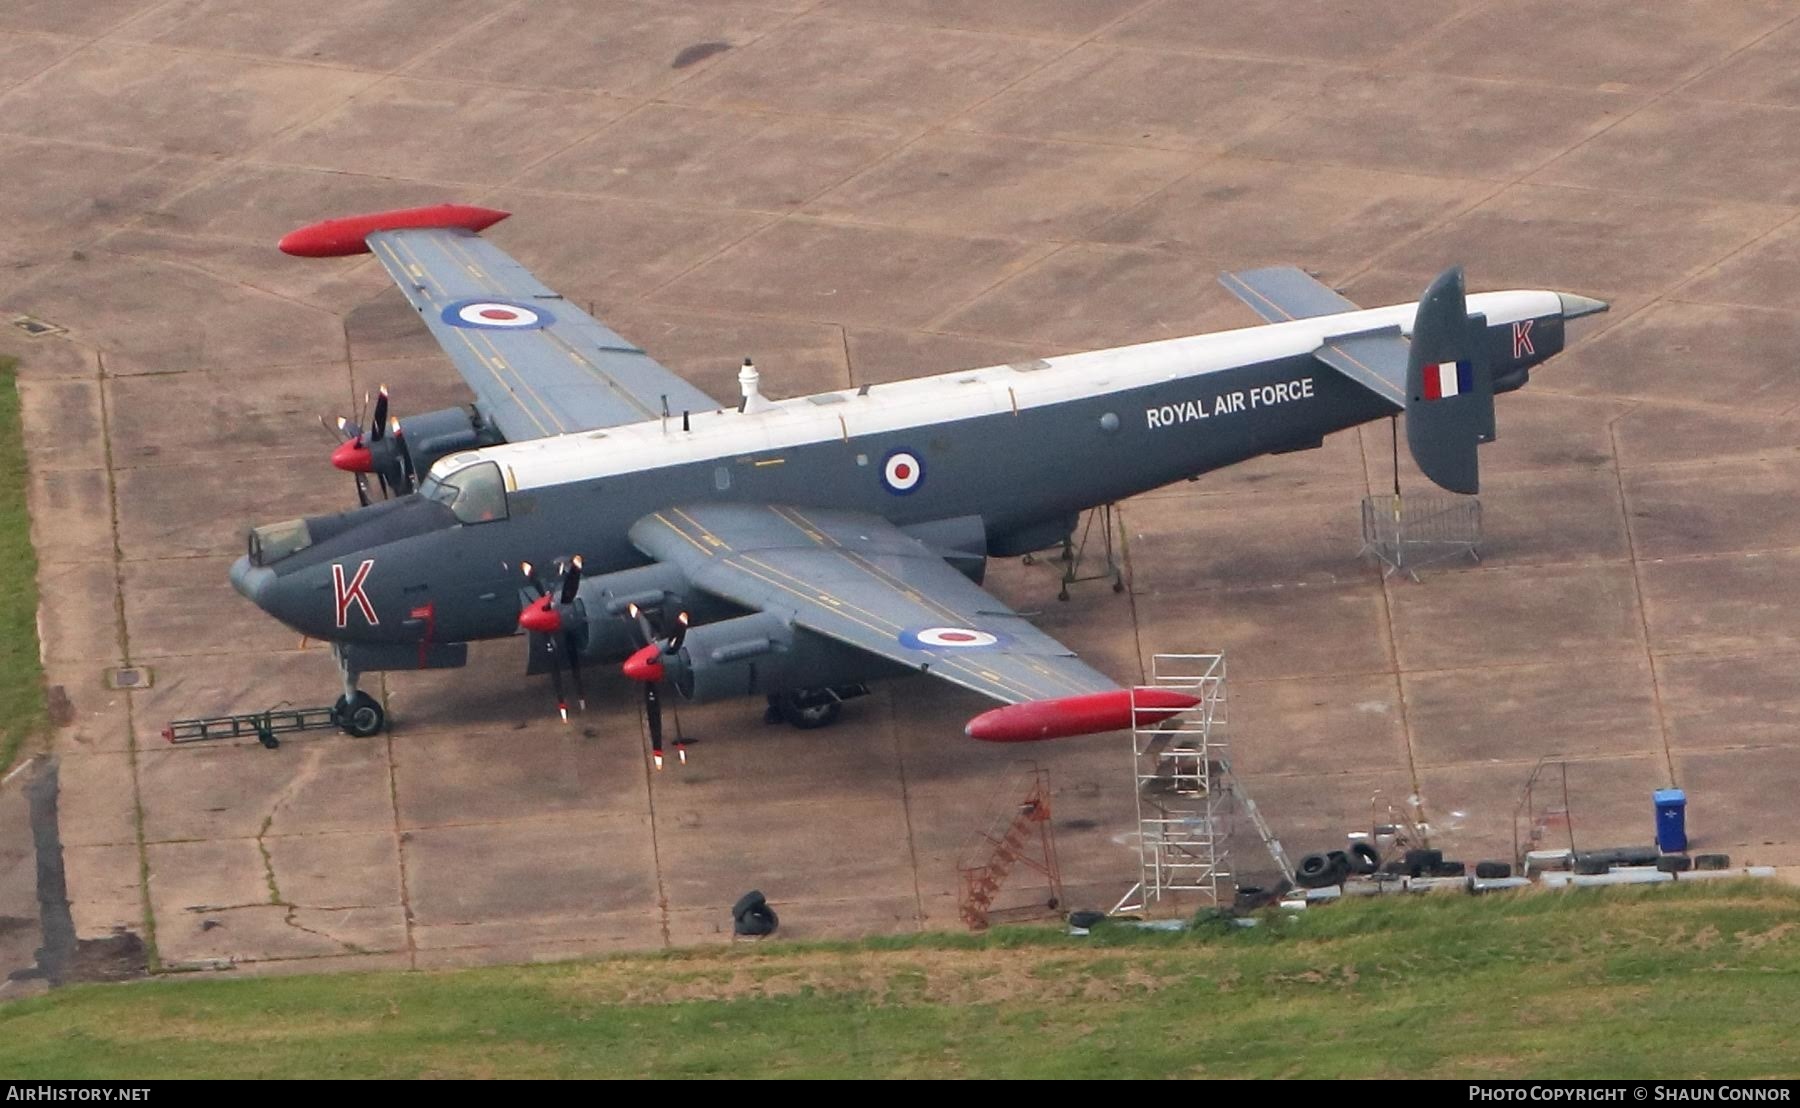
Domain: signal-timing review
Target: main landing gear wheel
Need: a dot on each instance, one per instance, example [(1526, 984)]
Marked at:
[(360, 715), (808, 714)]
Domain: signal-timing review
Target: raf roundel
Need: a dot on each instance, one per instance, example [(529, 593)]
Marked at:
[(496, 315), (963, 638), (902, 472)]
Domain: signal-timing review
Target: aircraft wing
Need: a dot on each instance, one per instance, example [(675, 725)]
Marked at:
[(1282, 292), (539, 365), (859, 580)]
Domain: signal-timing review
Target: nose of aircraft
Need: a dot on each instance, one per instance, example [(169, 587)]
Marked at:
[(252, 581), (1574, 307)]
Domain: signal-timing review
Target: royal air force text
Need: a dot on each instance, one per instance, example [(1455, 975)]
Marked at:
[(1228, 403)]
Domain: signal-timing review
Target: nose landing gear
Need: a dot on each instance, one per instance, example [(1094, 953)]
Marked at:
[(358, 713)]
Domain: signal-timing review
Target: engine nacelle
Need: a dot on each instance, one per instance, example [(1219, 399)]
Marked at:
[(432, 435), (605, 601), (762, 653)]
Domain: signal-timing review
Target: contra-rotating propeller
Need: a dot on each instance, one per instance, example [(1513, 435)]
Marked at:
[(647, 667), (554, 616), (381, 451)]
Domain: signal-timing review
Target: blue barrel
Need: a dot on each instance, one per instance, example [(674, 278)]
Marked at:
[(1671, 820)]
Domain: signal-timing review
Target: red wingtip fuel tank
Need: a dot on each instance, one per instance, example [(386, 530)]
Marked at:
[(335, 238), (1077, 715)]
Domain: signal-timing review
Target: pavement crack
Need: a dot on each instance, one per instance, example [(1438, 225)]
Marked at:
[(262, 848), (348, 946)]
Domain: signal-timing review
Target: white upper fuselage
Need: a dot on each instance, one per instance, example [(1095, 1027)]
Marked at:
[(945, 398)]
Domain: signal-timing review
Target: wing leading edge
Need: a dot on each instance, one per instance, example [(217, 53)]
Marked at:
[(537, 363)]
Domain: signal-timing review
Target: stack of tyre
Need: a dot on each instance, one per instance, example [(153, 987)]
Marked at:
[(1594, 862), (1319, 871), (752, 917)]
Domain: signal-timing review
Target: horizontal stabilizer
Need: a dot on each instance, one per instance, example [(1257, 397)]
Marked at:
[(1282, 293), (1376, 360)]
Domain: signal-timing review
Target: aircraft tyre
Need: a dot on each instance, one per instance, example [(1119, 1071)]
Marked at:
[(806, 714), (360, 716), (757, 922), (1316, 871)]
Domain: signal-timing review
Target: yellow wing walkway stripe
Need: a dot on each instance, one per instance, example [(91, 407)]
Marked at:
[(524, 394), (931, 604), (980, 679), (549, 335)]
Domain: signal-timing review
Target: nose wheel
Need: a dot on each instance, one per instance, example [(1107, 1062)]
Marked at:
[(360, 715), (357, 712)]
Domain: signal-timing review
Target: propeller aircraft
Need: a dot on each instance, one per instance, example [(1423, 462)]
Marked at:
[(800, 549)]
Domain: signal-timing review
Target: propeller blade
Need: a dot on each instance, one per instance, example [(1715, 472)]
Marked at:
[(362, 490), (680, 635), (562, 704), (531, 576), (646, 633), (378, 425), (382, 481), (571, 580), (653, 721), (409, 477), (574, 657)]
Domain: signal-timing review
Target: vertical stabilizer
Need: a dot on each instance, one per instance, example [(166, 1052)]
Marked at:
[(1449, 387)]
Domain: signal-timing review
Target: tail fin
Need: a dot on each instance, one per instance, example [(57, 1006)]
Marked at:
[(1449, 387)]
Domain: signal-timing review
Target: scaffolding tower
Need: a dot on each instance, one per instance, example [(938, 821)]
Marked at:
[(1184, 794)]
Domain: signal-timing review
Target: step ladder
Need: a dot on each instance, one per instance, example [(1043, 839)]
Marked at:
[(1263, 832), (1019, 833)]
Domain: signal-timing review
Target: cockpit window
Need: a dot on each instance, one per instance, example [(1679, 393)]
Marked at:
[(474, 494), (276, 541)]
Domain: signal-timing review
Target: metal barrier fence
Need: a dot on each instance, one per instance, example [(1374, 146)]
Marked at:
[(1406, 533)]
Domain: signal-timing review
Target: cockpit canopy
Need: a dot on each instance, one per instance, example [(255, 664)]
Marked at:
[(273, 542), (473, 493)]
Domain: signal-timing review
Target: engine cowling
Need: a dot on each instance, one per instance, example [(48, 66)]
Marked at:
[(429, 436), (762, 653)]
